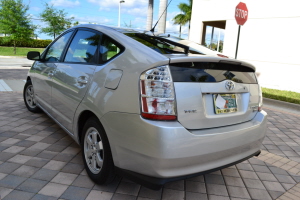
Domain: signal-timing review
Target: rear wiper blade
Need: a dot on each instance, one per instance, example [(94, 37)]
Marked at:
[(154, 40), (186, 48)]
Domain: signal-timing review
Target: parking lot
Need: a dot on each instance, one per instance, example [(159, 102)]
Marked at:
[(38, 160)]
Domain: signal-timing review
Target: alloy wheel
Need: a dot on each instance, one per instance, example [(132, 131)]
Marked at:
[(93, 150), (29, 97)]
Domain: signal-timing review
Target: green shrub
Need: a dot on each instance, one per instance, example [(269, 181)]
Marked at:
[(28, 43), (282, 95)]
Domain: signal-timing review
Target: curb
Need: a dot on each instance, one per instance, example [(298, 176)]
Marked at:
[(13, 57), (283, 104)]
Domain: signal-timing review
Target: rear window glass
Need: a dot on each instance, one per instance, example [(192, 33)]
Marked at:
[(211, 72), (158, 44)]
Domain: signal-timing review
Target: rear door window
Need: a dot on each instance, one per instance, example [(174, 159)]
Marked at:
[(83, 47)]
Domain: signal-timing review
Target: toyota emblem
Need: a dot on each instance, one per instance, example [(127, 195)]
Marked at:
[(229, 85)]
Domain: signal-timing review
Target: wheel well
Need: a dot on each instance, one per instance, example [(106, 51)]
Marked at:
[(84, 116)]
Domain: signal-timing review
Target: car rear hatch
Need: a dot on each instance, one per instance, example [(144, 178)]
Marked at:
[(214, 92)]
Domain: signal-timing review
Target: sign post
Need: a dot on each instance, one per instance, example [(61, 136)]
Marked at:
[(241, 16)]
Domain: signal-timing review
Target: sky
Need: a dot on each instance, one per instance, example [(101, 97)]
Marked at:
[(105, 12)]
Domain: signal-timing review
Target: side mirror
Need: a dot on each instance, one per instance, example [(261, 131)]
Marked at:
[(34, 55)]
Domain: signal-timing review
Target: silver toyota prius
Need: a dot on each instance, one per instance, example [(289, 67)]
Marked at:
[(146, 107)]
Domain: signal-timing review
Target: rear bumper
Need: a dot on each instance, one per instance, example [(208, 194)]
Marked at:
[(156, 183), (166, 150)]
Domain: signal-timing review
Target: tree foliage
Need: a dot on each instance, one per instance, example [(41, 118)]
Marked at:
[(180, 20), (55, 19), (76, 23), (185, 16), (14, 21)]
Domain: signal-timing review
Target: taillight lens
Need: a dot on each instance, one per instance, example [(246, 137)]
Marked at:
[(221, 55), (157, 94), (260, 104)]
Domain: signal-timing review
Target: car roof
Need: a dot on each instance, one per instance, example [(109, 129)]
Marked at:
[(126, 30), (114, 28)]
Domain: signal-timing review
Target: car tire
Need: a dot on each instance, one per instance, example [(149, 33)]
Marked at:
[(96, 152), (29, 98)]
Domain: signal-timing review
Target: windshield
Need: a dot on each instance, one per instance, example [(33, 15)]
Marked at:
[(181, 40), (172, 38), (160, 45), (193, 46)]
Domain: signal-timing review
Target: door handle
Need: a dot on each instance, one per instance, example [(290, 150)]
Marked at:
[(51, 74), (82, 80)]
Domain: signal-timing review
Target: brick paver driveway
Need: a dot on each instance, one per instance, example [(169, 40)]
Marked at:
[(40, 161)]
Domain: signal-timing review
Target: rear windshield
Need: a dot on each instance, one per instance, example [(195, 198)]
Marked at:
[(161, 45), (211, 72)]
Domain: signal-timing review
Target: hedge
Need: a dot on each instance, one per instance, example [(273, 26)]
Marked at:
[(281, 95), (28, 43)]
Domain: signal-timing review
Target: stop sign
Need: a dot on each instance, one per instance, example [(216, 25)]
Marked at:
[(241, 13)]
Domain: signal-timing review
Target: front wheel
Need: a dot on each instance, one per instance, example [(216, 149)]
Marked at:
[(29, 98), (96, 152)]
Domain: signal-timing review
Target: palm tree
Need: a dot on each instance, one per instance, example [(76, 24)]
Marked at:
[(185, 16), (180, 20)]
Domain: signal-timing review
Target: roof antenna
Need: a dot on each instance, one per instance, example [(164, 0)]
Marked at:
[(152, 29)]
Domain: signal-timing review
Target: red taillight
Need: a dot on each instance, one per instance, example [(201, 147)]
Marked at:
[(157, 94), (260, 104), (223, 56), (159, 117)]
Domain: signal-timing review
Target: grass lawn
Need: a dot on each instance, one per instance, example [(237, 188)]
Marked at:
[(282, 95), (21, 51)]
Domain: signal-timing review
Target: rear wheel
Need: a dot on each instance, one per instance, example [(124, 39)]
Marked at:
[(96, 152), (29, 98)]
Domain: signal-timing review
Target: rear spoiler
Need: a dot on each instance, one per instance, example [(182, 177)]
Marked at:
[(209, 59)]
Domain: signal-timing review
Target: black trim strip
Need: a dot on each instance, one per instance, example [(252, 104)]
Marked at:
[(224, 65), (157, 183)]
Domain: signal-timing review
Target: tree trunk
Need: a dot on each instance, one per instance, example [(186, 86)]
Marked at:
[(15, 50), (189, 29), (180, 30), (54, 32)]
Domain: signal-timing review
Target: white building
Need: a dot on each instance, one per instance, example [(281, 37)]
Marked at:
[(269, 39)]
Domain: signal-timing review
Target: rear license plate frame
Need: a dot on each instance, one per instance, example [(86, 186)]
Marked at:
[(230, 104)]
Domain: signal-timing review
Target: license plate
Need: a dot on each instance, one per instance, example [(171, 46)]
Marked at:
[(225, 103)]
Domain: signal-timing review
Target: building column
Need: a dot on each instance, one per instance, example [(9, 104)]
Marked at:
[(162, 21), (150, 15), (196, 30)]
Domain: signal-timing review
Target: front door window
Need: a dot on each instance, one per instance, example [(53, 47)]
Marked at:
[(54, 53)]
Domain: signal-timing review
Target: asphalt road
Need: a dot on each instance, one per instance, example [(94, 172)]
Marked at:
[(13, 73), (16, 73)]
